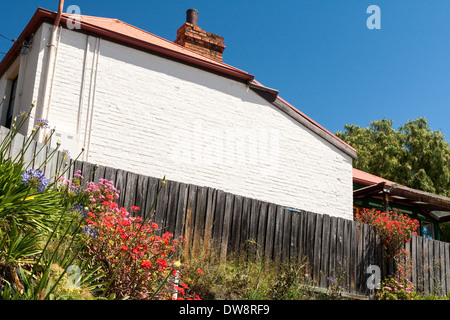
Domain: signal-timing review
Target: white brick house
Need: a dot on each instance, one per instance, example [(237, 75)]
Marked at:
[(151, 106)]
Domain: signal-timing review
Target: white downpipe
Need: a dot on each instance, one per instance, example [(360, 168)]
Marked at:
[(50, 68), (50, 72), (82, 90), (91, 101)]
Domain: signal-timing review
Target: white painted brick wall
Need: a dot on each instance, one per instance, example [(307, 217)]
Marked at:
[(158, 117)]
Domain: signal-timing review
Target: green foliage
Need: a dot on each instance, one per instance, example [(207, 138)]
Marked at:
[(49, 249), (413, 155), (23, 204), (245, 276), (396, 288), (432, 297), (40, 237)]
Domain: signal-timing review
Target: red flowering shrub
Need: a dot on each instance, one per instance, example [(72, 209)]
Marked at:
[(150, 266), (395, 229)]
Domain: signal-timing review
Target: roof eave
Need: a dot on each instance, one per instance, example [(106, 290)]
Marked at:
[(430, 201)]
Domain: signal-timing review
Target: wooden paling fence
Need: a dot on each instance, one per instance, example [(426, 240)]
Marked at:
[(213, 220)]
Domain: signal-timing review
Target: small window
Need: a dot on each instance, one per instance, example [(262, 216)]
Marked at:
[(428, 230), (12, 99)]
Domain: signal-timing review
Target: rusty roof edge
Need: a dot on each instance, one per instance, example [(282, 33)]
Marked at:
[(220, 68), (42, 13)]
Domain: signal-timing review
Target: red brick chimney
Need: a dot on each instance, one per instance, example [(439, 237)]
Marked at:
[(190, 36)]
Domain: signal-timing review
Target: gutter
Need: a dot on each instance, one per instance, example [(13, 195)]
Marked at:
[(222, 69)]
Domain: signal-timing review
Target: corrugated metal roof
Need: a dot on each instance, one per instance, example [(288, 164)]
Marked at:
[(366, 178), (131, 31)]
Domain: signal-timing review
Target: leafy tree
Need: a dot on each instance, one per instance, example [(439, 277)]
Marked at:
[(413, 155)]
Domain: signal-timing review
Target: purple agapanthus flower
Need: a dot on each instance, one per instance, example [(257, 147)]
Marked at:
[(90, 231), (35, 178), (78, 208), (331, 279), (24, 113), (43, 123)]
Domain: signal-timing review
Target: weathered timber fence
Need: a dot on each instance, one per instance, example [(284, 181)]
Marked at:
[(214, 220)]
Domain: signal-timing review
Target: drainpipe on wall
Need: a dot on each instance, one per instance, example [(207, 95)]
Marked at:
[(50, 68)]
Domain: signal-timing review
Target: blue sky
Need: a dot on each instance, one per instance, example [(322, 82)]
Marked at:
[(319, 54)]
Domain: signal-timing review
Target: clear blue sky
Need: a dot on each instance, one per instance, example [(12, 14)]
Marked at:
[(319, 54)]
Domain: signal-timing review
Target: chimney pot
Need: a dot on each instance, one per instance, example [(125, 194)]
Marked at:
[(191, 36), (192, 17)]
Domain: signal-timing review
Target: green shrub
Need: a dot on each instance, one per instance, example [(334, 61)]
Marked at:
[(249, 276), (37, 229)]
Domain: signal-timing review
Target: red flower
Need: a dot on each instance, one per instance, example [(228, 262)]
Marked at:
[(136, 250), (91, 222), (124, 248), (135, 208), (167, 235), (180, 290), (107, 224), (162, 263), (146, 264), (125, 223), (154, 225), (199, 271)]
